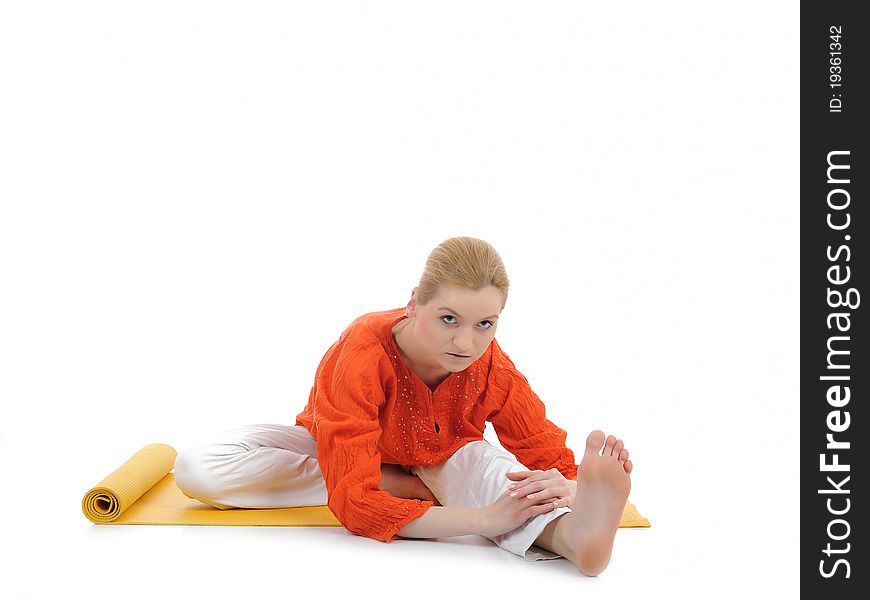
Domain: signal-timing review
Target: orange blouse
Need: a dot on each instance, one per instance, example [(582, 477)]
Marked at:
[(367, 407)]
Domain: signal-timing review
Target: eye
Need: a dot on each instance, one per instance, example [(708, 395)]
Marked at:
[(490, 324)]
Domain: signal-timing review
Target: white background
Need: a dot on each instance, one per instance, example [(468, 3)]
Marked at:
[(197, 199)]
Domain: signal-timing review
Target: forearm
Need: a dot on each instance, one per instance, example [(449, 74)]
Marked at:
[(444, 521)]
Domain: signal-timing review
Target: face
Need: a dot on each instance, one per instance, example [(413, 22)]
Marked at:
[(457, 321)]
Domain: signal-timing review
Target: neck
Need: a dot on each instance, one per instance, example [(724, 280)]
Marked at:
[(404, 336)]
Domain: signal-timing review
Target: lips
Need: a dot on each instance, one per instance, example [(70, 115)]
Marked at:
[(458, 355)]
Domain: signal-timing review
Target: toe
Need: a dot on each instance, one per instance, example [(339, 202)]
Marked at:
[(623, 456), (628, 466), (595, 441), (617, 448), (608, 445)]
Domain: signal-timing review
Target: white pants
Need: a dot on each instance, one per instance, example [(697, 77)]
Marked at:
[(275, 466)]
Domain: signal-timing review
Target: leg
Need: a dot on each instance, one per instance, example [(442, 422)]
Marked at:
[(259, 466), (475, 476), (585, 537)]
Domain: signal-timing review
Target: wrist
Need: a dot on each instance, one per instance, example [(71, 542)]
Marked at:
[(572, 484), (480, 521)]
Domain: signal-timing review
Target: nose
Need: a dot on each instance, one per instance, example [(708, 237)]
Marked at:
[(462, 342)]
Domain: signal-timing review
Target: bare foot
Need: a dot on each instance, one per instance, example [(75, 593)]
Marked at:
[(602, 489), (396, 482)]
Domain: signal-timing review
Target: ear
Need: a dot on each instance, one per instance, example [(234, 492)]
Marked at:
[(412, 304)]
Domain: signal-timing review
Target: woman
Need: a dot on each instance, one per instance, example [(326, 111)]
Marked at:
[(392, 435)]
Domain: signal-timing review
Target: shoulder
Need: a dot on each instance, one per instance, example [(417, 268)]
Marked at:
[(373, 328), (502, 372), (367, 339), (359, 357), (501, 362)]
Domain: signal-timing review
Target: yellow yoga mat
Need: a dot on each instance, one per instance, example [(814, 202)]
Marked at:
[(142, 491)]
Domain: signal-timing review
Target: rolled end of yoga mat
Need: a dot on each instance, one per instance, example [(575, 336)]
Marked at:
[(105, 502)]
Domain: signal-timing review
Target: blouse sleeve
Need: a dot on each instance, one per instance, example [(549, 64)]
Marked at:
[(348, 430), (522, 425)]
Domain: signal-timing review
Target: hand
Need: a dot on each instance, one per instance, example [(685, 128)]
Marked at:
[(507, 513), (544, 487)]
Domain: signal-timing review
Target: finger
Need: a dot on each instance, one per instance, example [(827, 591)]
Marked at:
[(536, 510), (539, 487), (537, 492), (531, 478), (520, 478), (519, 486), (526, 488), (549, 494), (554, 502), (562, 502)]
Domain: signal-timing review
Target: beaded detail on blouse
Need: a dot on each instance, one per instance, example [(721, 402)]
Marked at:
[(367, 407), (423, 419)]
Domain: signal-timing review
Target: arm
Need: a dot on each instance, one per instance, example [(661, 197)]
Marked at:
[(348, 399), (504, 515), (444, 521), (522, 425)]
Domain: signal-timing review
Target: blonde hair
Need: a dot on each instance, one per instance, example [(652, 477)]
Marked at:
[(465, 262)]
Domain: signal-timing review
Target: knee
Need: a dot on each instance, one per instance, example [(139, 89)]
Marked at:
[(497, 462), (187, 474), (487, 460), (195, 476), (485, 453)]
